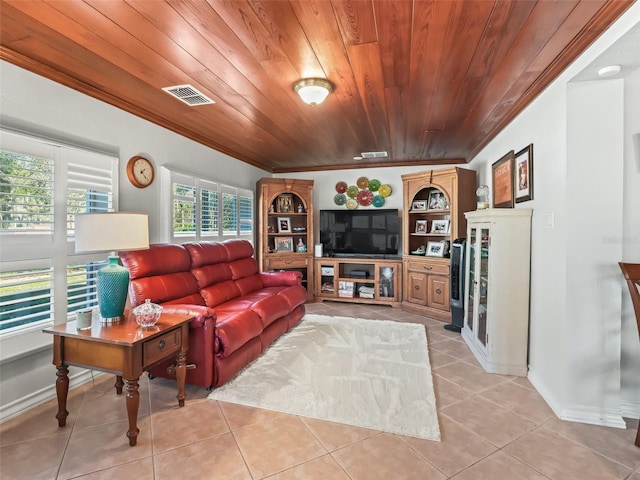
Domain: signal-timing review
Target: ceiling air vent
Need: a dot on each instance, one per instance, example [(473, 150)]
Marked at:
[(188, 94), (374, 154)]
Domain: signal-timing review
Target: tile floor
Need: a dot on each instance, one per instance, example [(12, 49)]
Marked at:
[(493, 427)]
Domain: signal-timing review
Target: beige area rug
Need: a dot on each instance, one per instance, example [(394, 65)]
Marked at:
[(368, 373)]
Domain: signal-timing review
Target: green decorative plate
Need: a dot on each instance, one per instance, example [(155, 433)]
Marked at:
[(378, 201), (339, 199), (352, 191), (385, 190), (374, 185)]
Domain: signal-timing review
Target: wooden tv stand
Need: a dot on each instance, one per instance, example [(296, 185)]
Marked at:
[(358, 280)]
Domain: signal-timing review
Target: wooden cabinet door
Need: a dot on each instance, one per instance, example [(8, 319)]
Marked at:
[(438, 292), (417, 286)]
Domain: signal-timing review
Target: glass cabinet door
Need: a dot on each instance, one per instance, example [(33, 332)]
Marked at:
[(483, 285), (471, 259), (387, 282)]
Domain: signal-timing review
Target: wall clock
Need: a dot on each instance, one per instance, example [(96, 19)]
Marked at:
[(140, 172)]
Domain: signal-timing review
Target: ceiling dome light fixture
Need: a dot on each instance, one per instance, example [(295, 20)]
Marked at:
[(610, 71), (313, 91)]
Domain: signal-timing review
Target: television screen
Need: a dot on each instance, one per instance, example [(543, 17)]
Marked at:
[(360, 232)]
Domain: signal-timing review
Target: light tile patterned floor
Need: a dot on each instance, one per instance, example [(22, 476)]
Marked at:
[(493, 427)]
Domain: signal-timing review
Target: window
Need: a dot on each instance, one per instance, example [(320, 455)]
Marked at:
[(203, 210), (43, 186)]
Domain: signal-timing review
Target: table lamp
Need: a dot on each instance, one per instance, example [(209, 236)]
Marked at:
[(101, 232)]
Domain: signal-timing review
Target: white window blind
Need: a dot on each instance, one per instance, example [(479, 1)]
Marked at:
[(43, 185), (204, 210)]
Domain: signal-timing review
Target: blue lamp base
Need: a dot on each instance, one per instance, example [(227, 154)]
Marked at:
[(113, 282)]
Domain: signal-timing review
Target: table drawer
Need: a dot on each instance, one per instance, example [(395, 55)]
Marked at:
[(429, 268), (161, 347), (288, 262)]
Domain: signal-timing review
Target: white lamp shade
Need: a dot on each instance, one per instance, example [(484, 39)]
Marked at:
[(101, 232)]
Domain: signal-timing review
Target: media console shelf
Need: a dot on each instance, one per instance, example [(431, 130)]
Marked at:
[(358, 280)]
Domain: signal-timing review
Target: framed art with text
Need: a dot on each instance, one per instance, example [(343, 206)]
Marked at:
[(502, 177)]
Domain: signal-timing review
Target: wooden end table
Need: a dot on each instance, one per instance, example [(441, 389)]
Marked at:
[(122, 348)]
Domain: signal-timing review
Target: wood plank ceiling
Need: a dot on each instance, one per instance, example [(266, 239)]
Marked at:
[(430, 82)]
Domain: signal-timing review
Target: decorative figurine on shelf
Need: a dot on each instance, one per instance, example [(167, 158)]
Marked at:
[(301, 247), (300, 208), (271, 209), (483, 197)]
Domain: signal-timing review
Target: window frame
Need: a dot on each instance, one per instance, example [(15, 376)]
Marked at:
[(171, 176), (55, 249)]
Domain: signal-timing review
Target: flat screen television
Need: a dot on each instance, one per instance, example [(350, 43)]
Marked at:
[(360, 233)]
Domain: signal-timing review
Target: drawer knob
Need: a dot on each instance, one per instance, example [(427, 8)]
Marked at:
[(417, 287), (161, 344), (438, 291), (429, 267)]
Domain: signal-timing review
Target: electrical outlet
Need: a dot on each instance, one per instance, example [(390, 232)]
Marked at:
[(551, 220)]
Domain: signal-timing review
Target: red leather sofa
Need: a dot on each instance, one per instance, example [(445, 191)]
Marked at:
[(238, 310)]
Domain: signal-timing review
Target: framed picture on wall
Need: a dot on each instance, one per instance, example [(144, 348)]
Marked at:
[(502, 177), (523, 172)]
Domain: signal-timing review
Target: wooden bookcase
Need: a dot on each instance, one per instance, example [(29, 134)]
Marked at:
[(434, 202), (285, 223)]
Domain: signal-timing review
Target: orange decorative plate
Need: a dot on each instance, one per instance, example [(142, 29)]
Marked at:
[(362, 182)]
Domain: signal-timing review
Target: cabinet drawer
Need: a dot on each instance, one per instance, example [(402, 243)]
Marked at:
[(287, 262), (429, 268), (161, 347)]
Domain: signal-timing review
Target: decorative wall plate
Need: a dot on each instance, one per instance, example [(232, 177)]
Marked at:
[(374, 185), (378, 201), (352, 204), (385, 190), (341, 187), (365, 197), (339, 199), (352, 191), (362, 182)]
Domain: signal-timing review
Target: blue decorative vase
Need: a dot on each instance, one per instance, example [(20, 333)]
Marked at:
[(113, 282)]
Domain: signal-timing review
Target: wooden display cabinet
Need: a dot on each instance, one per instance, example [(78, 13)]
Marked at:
[(434, 204), (358, 280), (285, 227)]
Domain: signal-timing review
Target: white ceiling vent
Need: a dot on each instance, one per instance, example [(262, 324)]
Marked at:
[(374, 154), (189, 95)]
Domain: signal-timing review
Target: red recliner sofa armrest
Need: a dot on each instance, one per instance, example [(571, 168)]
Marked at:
[(281, 279), (200, 312)]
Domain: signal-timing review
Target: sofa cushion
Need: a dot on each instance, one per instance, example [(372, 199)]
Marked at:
[(234, 329), (244, 267), (237, 249), (206, 253), (158, 259), (208, 275), (220, 293), (249, 284), (295, 296), (270, 308)]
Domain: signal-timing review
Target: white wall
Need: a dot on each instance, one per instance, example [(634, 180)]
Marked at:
[(630, 243), (581, 137), (40, 106)]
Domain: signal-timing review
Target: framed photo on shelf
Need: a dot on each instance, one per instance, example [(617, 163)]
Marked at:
[(284, 203), (284, 244), (523, 171), (419, 205), (437, 200), (502, 178), (435, 249), (421, 226), (440, 226), (284, 225)]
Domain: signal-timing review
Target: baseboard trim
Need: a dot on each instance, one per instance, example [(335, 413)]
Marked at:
[(43, 395), (577, 413), (630, 409)]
